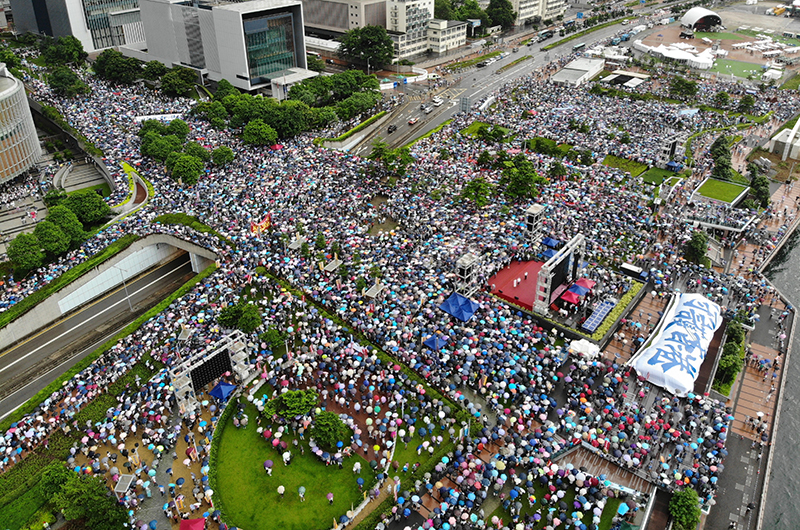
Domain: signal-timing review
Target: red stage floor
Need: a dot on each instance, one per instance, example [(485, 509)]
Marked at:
[(524, 294)]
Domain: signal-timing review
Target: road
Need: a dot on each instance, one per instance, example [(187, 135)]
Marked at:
[(39, 360), (475, 84)]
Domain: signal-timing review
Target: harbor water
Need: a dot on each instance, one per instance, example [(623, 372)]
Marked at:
[(782, 506)]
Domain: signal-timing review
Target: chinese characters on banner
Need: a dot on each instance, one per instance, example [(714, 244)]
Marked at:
[(676, 353), (265, 224)]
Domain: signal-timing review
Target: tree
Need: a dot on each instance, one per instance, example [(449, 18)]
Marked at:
[(746, 104), (684, 507), (154, 126), (222, 155), (187, 169), (65, 82), (114, 66), (328, 429), (229, 316), (315, 64), (178, 81), (520, 179), (63, 50), (259, 133), (250, 319), (696, 248), (87, 498), (291, 404), (88, 206), (367, 44), (721, 99), (470, 9), (52, 238), (54, 477), (682, 88), (443, 9), (10, 58), (179, 128), (25, 252), (485, 159), (197, 150), (502, 13), (68, 222), (224, 89), (478, 190), (154, 70)]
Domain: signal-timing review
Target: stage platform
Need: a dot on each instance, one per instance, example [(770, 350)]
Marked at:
[(524, 294)]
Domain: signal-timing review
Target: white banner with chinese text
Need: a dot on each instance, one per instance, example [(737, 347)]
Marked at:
[(674, 357)]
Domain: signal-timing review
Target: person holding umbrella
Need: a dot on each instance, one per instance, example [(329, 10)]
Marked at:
[(330, 498), (301, 491), (281, 491)]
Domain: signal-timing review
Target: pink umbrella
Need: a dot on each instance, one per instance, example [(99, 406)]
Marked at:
[(186, 462)]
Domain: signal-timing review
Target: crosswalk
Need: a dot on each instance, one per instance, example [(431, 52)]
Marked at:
[(450, 93)]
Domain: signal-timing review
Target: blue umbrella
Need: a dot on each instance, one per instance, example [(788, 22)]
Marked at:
[(153, 524)]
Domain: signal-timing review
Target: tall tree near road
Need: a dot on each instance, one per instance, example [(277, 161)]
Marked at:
[(367, 44)]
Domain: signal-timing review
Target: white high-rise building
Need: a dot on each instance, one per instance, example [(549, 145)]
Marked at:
[(407, 23), (19, 145)]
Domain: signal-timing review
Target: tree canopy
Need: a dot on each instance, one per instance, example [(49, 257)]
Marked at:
[(88, 206), (53, 240), (520, 180), (291, 404), (187, 169), (114, 66), (478, 190), (502, 13), (259, 133), (65, 82), (683, 88), (222, 155), (87, 498), (62, 51), (25, 252), (367, 44), (328, 429), (696, 248), (178, 81), (684, 507)]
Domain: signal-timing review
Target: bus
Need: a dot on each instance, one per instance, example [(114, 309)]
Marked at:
[(546, 34), (579, 47)]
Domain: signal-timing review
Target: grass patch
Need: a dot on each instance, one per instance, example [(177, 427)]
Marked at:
[(354, 130), (190, 221), (584, 33), (473, 62), (656, 175), (791, 84), (737, 68), (720, 190), (430, 133), (722, 35), (514, 63), (634, 168), (474, 127), (241, 479), (673, 181), (105, 189)]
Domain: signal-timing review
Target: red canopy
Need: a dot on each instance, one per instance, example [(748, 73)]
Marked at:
[(193, 524), (570, 297), (585, 282)]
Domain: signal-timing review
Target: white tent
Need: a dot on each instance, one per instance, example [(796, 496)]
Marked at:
[(586, 349)]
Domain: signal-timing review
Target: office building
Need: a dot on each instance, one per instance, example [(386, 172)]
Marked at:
[(330, 18), (444, 35), (19, 145), (256, 45), (97, 24)]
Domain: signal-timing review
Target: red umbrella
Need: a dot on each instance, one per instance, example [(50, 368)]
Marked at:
[(193, 524)]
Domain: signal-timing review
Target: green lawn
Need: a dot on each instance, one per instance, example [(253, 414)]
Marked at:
[(673, 181), (542, 507), (634, 168), (104, 188), (718, 36), (737, 68), (473, 128), (792, 84), (720, 190), (249, 496), (657, 176), (403, 455)]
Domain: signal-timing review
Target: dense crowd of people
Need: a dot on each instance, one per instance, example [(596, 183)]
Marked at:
[(530, 397)]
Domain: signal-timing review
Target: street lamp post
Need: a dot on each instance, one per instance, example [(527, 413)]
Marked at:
[(125, 285)]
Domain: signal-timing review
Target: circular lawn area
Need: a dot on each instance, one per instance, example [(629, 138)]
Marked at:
[(249, 497)]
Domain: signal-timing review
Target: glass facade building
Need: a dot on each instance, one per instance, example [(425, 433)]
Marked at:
[(269, 42), (98, 20)]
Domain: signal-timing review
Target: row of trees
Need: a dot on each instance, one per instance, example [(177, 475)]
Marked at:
[(117, 68), (327, 427), (732, 359), (314, 103), (82, 498), (497, 13), (184, 160), (61, 231)]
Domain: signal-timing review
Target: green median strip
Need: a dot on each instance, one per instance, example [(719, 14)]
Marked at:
[(584, 33), (361, 126), (429, 133)]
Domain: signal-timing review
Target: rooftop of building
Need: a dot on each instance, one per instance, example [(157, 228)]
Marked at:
[(249, 6), (7, 81)]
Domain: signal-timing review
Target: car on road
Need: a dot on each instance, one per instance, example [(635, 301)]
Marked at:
[(481, 64), (392, 128), (413, 120), (437, 101)]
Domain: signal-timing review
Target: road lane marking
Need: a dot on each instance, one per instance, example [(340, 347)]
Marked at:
[(123, 300)]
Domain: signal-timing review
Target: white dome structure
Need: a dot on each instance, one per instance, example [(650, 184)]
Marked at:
[(700, 19)]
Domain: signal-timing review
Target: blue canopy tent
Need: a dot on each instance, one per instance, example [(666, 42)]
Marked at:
[(459, 306), (549, 253), (436, 342), (550, 242), (578, 289), (222, 391)]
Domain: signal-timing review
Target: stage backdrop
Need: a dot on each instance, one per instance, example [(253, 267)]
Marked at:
[(674, 357)]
